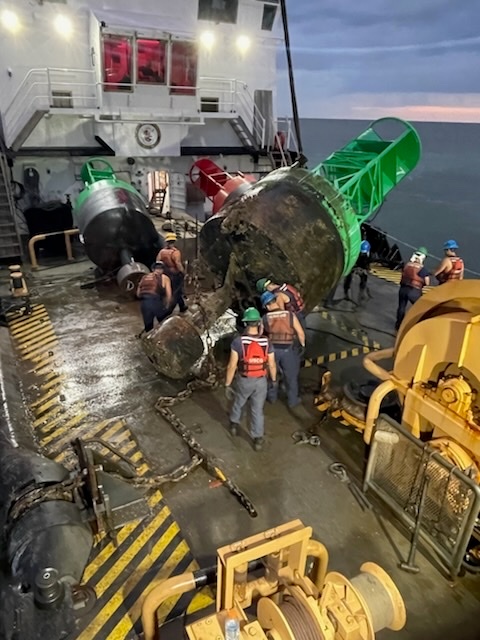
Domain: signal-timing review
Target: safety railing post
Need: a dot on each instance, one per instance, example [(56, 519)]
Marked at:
[(42, 236)]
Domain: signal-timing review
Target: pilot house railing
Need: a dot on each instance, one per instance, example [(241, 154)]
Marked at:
[(78, 92)]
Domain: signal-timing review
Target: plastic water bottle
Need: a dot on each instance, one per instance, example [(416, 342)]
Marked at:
[(232, 627)]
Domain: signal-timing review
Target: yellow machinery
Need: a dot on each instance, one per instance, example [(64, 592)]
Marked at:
[(18, 286), (283, 602), (436, 373), (434, 369)]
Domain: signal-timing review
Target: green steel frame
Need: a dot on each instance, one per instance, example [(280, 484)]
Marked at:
[(97, 173), (364, 171)]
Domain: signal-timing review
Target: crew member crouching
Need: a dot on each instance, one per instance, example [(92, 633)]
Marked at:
[(155, 293), (288, 297), (282, 327), (251, 357)]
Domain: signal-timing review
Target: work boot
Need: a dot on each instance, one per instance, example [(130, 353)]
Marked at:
[(258, 443), (233, 428)]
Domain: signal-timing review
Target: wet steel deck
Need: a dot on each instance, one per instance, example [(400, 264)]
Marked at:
[(103, 378)]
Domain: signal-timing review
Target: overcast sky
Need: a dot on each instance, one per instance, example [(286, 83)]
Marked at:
[(355, 58)]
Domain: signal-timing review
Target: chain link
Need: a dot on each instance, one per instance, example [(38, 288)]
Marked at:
[(198, 453), (197, 297), (64, 490)]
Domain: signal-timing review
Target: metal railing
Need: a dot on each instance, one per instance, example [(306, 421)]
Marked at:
[(5, 177), (36, 93), (68, 233), (285, 126), (65, 89), (397, 467), (251, 114)]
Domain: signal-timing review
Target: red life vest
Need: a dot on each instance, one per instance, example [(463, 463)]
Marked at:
[(410, 277), (151, 284), (253, 363), (165, 255), (279, 326), (456, 272), (296, 304)]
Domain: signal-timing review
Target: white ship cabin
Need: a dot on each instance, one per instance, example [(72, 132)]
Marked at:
[(149, 85)]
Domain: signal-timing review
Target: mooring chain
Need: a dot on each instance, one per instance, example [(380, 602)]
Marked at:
[(199, 456), (64, 490), (197, 296), (209, 462)]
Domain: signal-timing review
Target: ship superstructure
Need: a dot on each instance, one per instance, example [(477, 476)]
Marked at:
[(153, 84)]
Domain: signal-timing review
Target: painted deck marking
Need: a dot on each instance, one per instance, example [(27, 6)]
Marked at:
[(384, 273), (339, 355), (149, 550)]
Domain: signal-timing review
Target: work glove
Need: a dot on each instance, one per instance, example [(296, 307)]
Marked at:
[(229, 393)]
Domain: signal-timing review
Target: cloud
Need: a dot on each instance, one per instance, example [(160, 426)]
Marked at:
[(344, 50)]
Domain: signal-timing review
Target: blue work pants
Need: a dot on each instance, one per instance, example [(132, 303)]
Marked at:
[(253, 391), (152, 306), (406, 294), (177, 291), (288, 365)]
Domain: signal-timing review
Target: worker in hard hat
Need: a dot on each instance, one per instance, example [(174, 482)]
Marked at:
[(282, 327), (252, 359), (171, 256), (155, 293), (361, 268), (288, 297), (452, 266), (414, 277)]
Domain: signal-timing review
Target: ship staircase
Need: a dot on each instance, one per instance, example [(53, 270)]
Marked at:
[(10, 245), (269, 138), (280, 157), (157, 201), (246, 137)]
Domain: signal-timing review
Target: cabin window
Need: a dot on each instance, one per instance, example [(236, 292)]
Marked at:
[(151, 61), (183, 68), (218, 10), (268, 16), (117, 63)]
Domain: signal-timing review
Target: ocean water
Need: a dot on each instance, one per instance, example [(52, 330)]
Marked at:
[(438, 201)]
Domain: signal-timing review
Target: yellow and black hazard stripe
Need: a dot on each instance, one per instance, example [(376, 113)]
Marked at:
[(357, 333), (366, 346), (339, 355), (384, 273), (149, 550)]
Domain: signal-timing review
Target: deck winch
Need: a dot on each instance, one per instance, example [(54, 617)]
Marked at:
[(268, 571), (435, 375), (301, 226)]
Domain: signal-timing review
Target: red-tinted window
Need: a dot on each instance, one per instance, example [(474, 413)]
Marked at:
[(151, 61), (183, 68), (117, 63)]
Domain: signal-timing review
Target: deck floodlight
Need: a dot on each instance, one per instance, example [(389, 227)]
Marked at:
[(10, 20), (207, 39), (243, 43), (63, 25)]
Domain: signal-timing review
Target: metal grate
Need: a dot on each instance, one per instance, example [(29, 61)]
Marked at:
[(397, 465)]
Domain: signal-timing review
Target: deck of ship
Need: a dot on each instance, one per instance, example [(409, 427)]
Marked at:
[(83, 372)]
